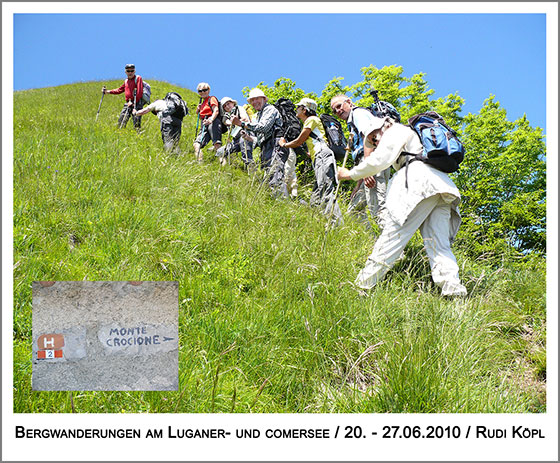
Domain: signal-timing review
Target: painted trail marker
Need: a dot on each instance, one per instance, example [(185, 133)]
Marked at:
[(105, 335)]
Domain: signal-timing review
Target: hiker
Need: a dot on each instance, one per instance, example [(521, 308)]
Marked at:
[(132, 86), (266, 126), (372, 190), (419, 197), (208, 111), (240, 141), (322, 157), (170, 112)]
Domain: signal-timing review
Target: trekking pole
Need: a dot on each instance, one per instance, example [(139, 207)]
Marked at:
[(227, 142), (99, 109), (197, 120), (133, 105), (327, 226)]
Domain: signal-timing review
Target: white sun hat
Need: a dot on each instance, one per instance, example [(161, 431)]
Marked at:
[(256, 93), (308, 103), (225, 99)]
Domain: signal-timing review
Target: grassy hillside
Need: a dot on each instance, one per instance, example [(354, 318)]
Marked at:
[(268, 322)]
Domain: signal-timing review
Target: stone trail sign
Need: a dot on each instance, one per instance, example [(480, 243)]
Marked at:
[(102, 335)]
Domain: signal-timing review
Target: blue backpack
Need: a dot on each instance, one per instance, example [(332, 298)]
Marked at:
[(442, 148)]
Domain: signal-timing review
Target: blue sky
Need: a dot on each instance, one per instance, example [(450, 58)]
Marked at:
[(475, 55)]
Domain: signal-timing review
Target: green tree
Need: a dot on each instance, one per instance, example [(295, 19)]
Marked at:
[(503, 181)]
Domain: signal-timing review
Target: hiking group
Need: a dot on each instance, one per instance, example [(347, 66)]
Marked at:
[(419, 196)]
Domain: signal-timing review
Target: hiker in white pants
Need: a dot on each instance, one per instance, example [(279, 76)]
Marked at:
[(418, 197)]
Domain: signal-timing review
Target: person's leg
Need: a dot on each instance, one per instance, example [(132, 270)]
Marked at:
[(215, 129), (392, 242), (246, 148), (137, 120), (381, 181), (267, 149), (291, 177), (435, 233), (200, 142), (277, 178), (170, 135), (124, 116), (325, 166), (357, 205)]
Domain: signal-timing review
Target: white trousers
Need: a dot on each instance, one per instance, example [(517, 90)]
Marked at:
[(432, 216), (290, 172)]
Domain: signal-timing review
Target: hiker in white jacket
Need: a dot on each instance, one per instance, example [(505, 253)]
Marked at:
[(418, 197)]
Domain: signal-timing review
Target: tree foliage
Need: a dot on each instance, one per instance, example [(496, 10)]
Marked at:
[(503, 180), (503, 177)]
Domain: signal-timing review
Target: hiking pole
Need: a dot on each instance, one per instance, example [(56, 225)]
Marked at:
[(227, 142), (99, 109), (126, 117), (197, 120), (133, 107), (347, 150)]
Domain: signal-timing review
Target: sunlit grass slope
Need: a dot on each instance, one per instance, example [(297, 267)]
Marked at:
[(268, 322)]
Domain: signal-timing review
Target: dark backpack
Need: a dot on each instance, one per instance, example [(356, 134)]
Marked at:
[(335, 136), (442, 148), (221, 116), (384, 109), (176, 107), (291, 126)]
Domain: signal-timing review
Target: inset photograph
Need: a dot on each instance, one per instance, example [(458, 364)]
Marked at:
[(105, 336)]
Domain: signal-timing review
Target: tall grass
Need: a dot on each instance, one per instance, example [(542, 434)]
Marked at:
[(267, 322)]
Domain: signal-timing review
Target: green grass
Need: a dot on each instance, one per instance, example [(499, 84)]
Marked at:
[(267, 322)]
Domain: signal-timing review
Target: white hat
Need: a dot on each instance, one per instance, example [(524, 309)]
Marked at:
[(308, 103), (256, 93), (225, 99)]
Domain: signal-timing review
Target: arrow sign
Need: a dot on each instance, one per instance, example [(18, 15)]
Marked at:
[(165, 338)]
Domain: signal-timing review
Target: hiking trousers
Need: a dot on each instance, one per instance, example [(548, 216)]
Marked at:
[(291, 175), (170, 134), (372, 198), (209, 132), (239, 145), (324, 189), (126, 112), (432, 217), (277, 170), (267, 149)]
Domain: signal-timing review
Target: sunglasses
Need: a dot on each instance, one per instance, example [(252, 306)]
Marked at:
[(130, 70), (203, 90)]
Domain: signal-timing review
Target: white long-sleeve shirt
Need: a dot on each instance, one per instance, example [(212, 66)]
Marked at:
[(424, 180)]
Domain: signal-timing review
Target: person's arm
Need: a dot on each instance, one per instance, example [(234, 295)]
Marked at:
[(155, 107), (142, 111), (300, 140), (390, 147), (115, 91), (266, 121)]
